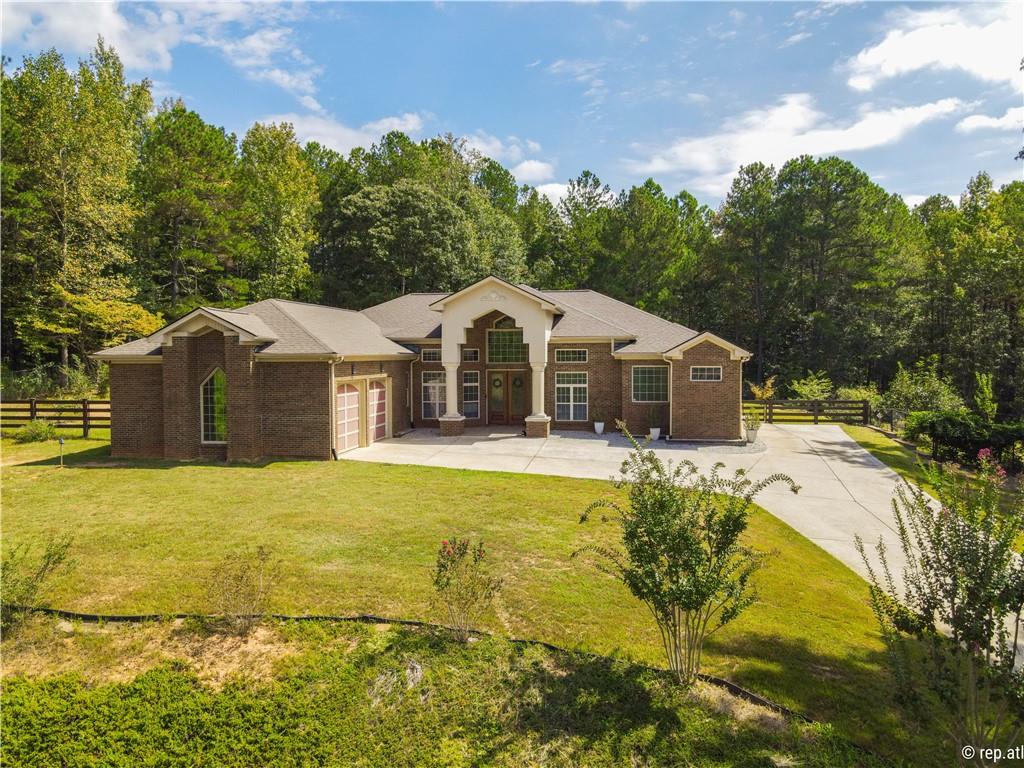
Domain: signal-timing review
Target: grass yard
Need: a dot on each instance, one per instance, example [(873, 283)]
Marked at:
[(346, 695), (900, 458), (358, 538)]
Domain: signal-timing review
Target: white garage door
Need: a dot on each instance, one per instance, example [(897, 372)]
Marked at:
[(348, 417), (376, 411)]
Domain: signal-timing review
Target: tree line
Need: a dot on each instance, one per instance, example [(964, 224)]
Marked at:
[(118, 217)]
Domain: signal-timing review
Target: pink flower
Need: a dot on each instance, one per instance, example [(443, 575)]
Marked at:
[(984, 454)]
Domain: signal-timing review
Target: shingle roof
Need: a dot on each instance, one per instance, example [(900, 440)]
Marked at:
[(312, 329)]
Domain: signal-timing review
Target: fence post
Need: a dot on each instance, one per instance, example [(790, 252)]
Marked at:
[(867, 412), (32, 409), (815, 409), (85, 417), (771, 411)]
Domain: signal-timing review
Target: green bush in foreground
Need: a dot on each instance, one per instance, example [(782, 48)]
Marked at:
[(402, 698), (23, 583), (35, 431)]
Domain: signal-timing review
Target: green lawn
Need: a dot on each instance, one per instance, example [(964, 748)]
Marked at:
[(905, 461), (352, 695), (360, 537)]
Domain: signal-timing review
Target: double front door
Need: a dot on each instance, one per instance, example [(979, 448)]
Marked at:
[(508, 395)]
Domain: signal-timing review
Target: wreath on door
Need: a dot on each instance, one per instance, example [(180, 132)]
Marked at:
[(497, 383), (517, 382)]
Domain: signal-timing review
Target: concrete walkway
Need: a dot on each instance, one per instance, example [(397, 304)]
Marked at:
[(844, 489)]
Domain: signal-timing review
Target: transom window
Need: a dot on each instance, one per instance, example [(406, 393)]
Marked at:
[(571, 397), (430, 354), (650, 383), (471, 394), (434, 403), (213, 406), (470, 355), (505, 345), (570, 355), (705, 373)]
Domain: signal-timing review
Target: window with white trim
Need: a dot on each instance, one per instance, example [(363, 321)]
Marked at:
[(213, 407), (650, 383), (471, 394), (505, 345), (705, 373), (570, 396), (434, 403), (470, 355), (430, 354), (570, 355)]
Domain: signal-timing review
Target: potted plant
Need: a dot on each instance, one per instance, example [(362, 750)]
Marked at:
[(598, 416), (654, 420), (752, 421)]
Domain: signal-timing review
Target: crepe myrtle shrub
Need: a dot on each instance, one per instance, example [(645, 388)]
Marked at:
[(952, 628), (681, 553), (23, 580), (240, 586), (464, 583)]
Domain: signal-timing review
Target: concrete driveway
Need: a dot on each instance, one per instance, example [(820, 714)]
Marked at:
[(844, 489)]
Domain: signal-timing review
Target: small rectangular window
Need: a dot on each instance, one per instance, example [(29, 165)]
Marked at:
[(471, 394), (571, 397), (650, 383), (430, 354), (471, 355), (570, 355), (434, 401), (705, 373)]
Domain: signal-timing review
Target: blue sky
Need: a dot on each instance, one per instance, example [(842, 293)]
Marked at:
[(921, 96)]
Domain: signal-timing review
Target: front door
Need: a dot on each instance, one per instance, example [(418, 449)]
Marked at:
[(497, 398), (508, 396)]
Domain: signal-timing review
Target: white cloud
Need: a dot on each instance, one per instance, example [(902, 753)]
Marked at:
[(913, 201), (553, 192), (533, 171), (737, 15), (532, 145), (250, 35), (334, 134), (509, 150), (794, 39), (779, 132), (1013, 120), (982, 40), (587, 72), (697, 98)]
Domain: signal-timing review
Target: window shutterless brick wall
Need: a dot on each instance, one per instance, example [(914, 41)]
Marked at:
[(638, 415), (604, 385), (707, 410), (136, 410)]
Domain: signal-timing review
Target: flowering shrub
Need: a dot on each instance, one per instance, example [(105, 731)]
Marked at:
[(240, 587), (464, 584)]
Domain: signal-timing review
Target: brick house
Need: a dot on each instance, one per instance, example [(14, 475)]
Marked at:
[(281, 378)]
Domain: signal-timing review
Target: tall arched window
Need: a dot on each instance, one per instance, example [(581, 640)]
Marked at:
[(213, 406)]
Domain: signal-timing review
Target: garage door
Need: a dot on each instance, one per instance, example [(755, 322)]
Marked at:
[(376, 411), (348, 417)]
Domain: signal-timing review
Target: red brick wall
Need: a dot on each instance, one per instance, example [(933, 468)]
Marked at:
[(186, 364), (638, 415), (707, 410), (295, 409), (604, 383), (136, 410)]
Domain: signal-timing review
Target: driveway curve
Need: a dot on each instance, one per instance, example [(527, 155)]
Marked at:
[(844, 490)]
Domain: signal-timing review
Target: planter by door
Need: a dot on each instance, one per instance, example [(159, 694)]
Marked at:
[(655, 433), (599, 427)]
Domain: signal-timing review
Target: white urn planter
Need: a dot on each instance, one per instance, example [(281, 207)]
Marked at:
[(751, 435), (599, 427), (655, 433)]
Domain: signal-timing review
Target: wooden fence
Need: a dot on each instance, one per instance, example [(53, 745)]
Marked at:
[(71, 414), (809, 411)]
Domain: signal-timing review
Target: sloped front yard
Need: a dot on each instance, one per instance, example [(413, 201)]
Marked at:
[(361, 538)]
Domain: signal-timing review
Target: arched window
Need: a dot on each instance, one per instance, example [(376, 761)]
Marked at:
[(213, 407)]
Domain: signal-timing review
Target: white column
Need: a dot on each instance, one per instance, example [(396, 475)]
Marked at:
[(451, 391), (538, 388)]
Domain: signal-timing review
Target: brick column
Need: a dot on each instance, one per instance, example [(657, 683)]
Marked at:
[(243, 405), (181, 419)]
